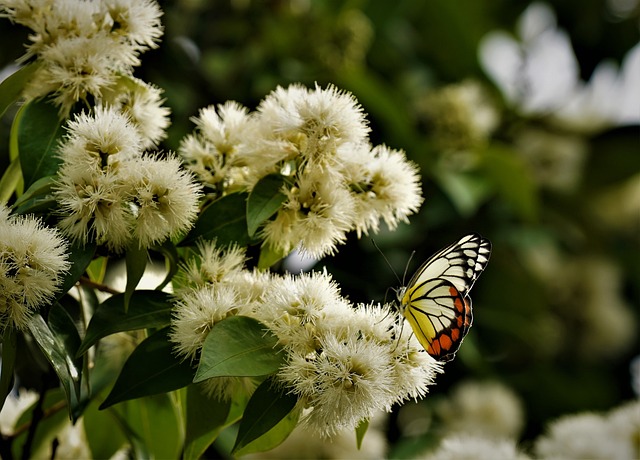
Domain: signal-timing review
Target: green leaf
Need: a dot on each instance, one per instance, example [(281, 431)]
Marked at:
[(511, 180), (264, 201), (64, 330), (37, 205), (140, 449), (40, 189), (9, 349), (38, 132), (10, 180), (266, 409), (172, 259), (274, 437), (136, 261), (147, 309), (54, 347), (12, 86), (205, 419), (224, 219), (151, 369), (239, 346), (97, 269), (102, 443), (154, 424), (80, 256), (466, 191), (361, 430), (269, 256)]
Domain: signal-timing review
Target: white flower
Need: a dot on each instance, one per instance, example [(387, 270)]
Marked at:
[(84, 46), (343, 363), (211, 264), (475, 448), (461, 115), (196, 312), (94, 207), (414, 370), (295, 308), (555, 161), (346, 381), (624, 422), (33, 261), (165, 198), (99, 141), (487, 409), (76, 68), (315, 122), (539, 75), (580, 436), (136, 21), (214, 151), (141, 102), (384, 185), (316, 216)]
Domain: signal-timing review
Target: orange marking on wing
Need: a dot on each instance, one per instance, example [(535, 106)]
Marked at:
[(457, 302), (434, 348), (467, 313), (445, 342), (455, 334)]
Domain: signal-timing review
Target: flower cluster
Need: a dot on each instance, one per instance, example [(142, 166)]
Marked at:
[(316, 141), (86, 51), (108, 191), (590, 435), (344, 362), (33, 261), (488, 409)]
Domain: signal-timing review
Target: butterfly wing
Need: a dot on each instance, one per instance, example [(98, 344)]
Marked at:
[(436, 301)]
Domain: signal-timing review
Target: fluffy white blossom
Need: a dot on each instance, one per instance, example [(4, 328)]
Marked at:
[(486, 409), (460, 115), (470, 447), (384, 186), (312, 123), (141, 102), (33, 261), (83, 46), (197, 312), (108, 192), (317, 214), (345, 363), (211, 264), (165, 199), (214, 152), (590, 435), (316, 142), (539, 75)]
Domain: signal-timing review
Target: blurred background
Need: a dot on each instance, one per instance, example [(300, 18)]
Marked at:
[(525, 121)]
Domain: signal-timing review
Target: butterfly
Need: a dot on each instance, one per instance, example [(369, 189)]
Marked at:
[(436, 301)]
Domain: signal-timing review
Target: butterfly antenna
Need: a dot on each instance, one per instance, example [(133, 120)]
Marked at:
[(386, 260), (406, 267)]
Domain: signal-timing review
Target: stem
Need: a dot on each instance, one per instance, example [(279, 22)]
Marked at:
[(99, 286), (5, 447), (46, 414), (36, 417)]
